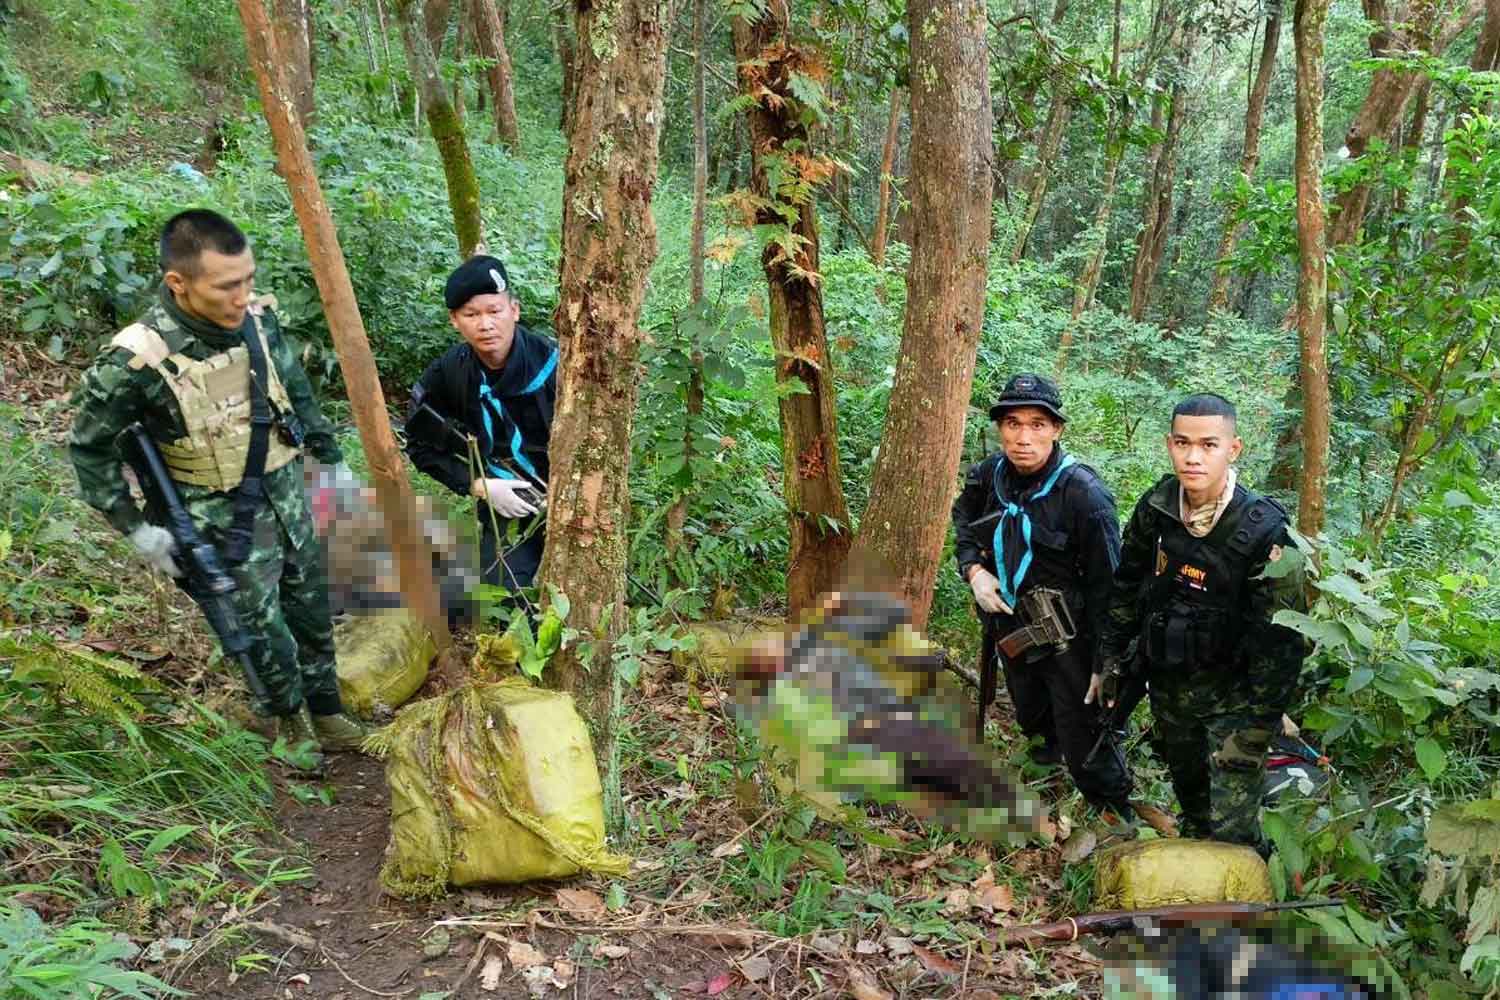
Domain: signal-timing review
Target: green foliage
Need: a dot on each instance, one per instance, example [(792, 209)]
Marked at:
[(77, 959), (17, 114)]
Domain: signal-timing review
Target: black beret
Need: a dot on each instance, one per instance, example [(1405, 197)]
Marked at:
[(476, 276), (1029, 390)]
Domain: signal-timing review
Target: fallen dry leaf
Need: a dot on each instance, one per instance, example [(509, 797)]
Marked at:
[(581, 903), (898, 946), (997, 897), (864, 986), (728, 849), (524, 956), (958, 902), (563, 972), (729, 937), (1079, 846), (867, 948), (1155, 818), (489, 976), (933, 962), (602, 950), (718, 984), (300, 979), (1064, 827), (755, 968)]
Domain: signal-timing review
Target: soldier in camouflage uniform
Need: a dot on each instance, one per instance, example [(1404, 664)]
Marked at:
[(1203, 569), (184, 372)]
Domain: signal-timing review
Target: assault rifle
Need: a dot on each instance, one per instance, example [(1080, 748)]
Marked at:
[(1112, 721), (1114, 921), (428, 424), (204, 577)]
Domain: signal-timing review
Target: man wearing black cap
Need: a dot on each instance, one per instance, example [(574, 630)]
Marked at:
[(1037, 540), (497, 389)]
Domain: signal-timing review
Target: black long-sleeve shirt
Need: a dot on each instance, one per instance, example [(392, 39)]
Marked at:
[(451, 385), (1075, 531)]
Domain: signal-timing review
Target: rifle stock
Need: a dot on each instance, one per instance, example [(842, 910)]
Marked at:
[(1113, 921), (204, 577)]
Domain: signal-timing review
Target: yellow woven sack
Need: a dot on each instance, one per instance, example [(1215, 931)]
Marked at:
[(491, 783), (1147, 873), (382, 661)]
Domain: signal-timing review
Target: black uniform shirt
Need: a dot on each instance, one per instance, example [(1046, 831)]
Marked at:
[(1075, 532), (518, 398)]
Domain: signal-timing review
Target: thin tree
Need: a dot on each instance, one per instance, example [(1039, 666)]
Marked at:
[(1255, 115), (566, 41), (608, 246), (769, 62), (366, 399), (677, 514), (952, 147), (293, 26), (880, 233), (447, 128), (1059, 111), (489, 33), (1308, 22)]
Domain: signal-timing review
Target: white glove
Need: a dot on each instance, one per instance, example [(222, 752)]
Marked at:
[(986, 590), (501, 495), (156, 545)]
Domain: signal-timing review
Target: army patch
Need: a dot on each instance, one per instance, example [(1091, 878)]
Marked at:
[(1193, 577)]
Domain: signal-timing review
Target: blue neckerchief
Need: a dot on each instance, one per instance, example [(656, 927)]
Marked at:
[(488, 401), (1010, 585)]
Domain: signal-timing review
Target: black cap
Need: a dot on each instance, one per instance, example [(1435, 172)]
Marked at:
[(476, 276), (1029, 390)]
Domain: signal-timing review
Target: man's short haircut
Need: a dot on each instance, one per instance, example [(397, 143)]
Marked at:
[(187, 234), (1206, 404)]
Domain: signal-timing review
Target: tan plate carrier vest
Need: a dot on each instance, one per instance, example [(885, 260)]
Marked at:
[(213, 396)]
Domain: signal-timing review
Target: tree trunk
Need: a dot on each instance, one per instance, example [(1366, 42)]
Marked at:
[(566, 41), (447, 130), (434, 23), (489, 33), (1060, 110), (916, 469), (677, 513), (1384, 102), (880, 235), (292, 24), (1156, 216), (818, 515), (1255, 116), (1312, 276), (608, 246), (367, 400)]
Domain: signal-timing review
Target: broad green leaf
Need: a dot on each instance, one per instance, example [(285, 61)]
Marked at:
[(1468, 829), (1431, 757), (167, 838)]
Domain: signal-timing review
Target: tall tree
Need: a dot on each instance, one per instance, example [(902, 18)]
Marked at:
[(1059, 111), (489, 33), (771, 64), (367, 400), (566, 40), (880, 234), (1156, 207), (1308, 22), (293, 25), (608, 246), (677, 514), (447, 128), (916, 468), (1255, 115)]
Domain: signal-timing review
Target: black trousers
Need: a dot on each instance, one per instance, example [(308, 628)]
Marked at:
[(511, 564), (1048, 692)]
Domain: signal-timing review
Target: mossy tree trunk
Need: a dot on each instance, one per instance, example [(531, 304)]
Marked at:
[(608, 246), (916, 470), (367, 400), (818, 517), (489, 33), (1312, 274), (447, 128)]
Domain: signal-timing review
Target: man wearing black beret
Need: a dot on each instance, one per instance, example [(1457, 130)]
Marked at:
[(496, 389), (1037, 537)]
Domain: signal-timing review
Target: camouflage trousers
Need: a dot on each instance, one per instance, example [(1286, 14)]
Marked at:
[(1213, 741), (282, 595)]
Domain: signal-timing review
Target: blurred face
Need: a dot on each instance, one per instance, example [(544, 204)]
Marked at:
[(488, 324), (1028, 433), (219, 288), (1202, 450)]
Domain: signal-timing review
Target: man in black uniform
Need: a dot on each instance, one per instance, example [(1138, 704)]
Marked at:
[(1200, 578), (1037, 537), (497, 388)]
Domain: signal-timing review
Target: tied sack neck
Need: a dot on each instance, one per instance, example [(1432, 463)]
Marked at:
[(1199, 521)]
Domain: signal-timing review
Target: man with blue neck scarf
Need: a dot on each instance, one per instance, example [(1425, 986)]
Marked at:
[(1035, 530), (497, 390)]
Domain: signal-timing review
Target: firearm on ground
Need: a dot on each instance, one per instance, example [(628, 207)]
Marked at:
[(1115, 921)]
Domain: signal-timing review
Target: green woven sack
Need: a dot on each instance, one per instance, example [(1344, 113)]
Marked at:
[(491, 783), (382, 661)]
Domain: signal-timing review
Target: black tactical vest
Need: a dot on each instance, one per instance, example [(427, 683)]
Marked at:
[(1194, 613)]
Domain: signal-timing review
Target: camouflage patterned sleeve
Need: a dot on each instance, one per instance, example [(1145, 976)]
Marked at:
[(109, 399), (1274, 652), (1137, 551), (318, 431)]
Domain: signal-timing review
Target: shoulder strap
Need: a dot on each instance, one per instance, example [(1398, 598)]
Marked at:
[(251, 490), (147, 347), (1261, 520)]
